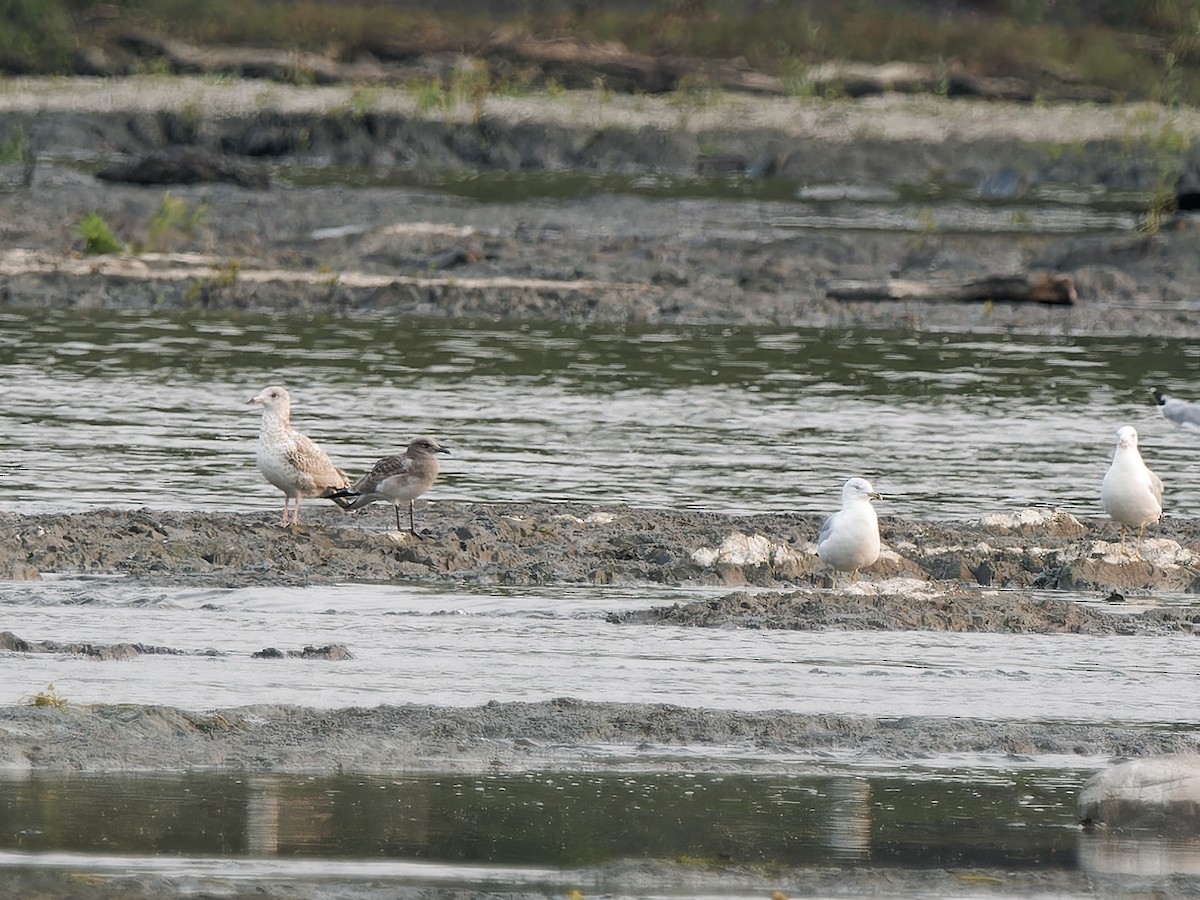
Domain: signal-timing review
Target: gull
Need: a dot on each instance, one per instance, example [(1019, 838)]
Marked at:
[(289, 459), (1181, 412), (1130, 492), (396, 479), (849, 539)]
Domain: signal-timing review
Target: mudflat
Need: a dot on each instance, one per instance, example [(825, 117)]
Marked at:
[(990, 575)]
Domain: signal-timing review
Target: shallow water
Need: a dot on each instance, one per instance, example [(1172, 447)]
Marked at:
[(558, 833), (803, 818), (998, 204), (514, 826), (452, 646), (145, 410)]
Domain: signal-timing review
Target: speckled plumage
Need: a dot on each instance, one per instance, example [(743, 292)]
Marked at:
[(290, 460), (397, 479)]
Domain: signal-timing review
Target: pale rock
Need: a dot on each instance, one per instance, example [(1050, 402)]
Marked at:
[(1159, 792), (738, 550), (1030, 519)]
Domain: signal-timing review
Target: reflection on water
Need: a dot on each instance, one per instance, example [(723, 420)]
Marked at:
[(146, 410), (848, 832), (566, 833), (1134, 853), (561, 820)]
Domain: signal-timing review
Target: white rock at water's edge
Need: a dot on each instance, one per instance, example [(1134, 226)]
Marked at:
[(1032, 518), (744, 550), (1157, 792)]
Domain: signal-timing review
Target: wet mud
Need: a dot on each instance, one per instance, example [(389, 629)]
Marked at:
[(990, 575), (562, 735), (544, 543)]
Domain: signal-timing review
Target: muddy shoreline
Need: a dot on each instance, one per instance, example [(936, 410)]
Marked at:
[(532, 543), (991, 575), (616, 209), (553, 735)]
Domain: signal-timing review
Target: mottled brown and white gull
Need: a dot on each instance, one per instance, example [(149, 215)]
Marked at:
[(397, 479), (290, 460)]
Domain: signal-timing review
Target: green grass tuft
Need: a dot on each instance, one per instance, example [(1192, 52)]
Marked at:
[(98, 237)]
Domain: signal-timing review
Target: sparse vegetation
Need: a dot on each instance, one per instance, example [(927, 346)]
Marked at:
[(1138, 49), (429, 95), (15, 148), (223, 280), (174, 220), (227, 275), (98, 237), (49, 697), (363, 101)]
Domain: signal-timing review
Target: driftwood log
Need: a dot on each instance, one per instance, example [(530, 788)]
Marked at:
[(1036, 287)]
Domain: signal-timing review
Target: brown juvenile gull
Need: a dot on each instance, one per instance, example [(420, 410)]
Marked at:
[(396, 479), (849, 539), (1130, 492), (289, 459)]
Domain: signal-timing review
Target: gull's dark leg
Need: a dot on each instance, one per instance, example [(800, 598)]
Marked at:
[(412, 519), (397, 509)]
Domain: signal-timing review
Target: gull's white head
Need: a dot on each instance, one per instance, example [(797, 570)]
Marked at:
[(858, 489), (273, 398), (1127, 437)]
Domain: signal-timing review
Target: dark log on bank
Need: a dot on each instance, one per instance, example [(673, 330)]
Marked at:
[(1037, 287), (184, 164)]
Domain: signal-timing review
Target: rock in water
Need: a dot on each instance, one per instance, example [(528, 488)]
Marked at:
[(1156, 792)]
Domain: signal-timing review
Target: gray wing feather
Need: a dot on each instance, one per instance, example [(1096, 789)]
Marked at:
[(826, 528), (1181, 412)]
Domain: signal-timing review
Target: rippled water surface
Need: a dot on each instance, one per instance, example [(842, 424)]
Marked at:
[(447, 646), (144, 410)]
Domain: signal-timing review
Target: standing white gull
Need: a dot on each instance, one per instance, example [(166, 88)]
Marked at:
[(1130, 492), (849, 539), (289, 459), (397, 479), (1181, 412)]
